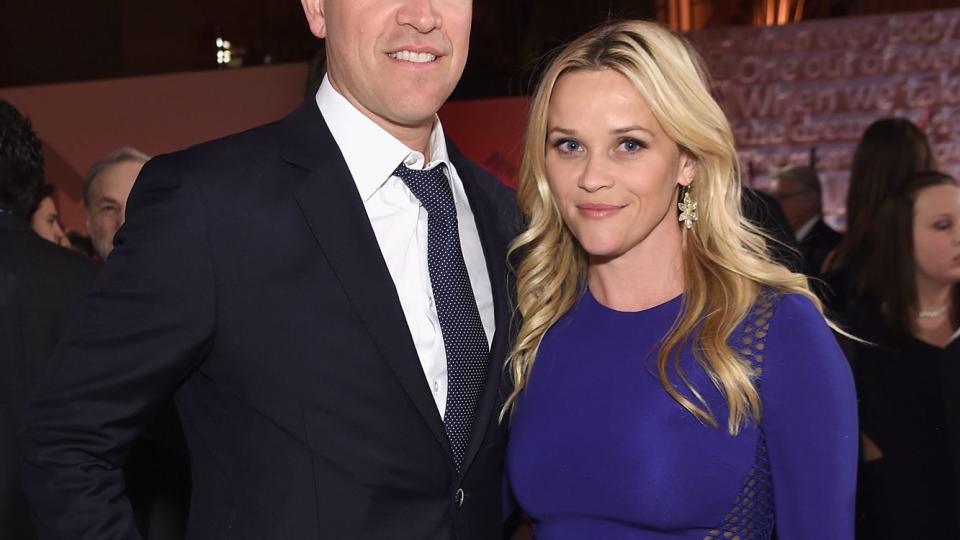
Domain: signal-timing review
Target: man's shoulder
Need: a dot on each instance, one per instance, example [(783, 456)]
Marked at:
[(821, 237), (37, 259), (234, 151), (245, 162), (264, 156), (482, 177), (822, 229)]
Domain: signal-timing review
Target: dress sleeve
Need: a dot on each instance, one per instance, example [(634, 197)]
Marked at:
[(810, 424)]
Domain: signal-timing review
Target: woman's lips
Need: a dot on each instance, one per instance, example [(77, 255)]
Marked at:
[(598, 210)]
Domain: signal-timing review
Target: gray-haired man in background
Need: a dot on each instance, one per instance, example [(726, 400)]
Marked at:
[(105, 190)]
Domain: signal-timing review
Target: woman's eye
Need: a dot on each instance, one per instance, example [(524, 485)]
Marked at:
[(942, 225), (567, 146), (632, 145)]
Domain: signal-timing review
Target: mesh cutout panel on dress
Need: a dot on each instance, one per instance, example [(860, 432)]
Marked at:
[(752, 514)]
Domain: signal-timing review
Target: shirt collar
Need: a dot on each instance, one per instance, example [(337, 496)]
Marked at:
[(371, 153), (805, 229)]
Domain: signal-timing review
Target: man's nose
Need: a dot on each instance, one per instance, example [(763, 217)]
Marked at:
[(421, 15)]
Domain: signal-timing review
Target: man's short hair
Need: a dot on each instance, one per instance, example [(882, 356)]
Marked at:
[(21, 162), (119, 155), (805, 176)]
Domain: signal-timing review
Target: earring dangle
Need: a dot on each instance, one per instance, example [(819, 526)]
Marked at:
[(688, 209)]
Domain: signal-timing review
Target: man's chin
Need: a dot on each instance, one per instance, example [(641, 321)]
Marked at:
[(417, 107), (413, 117)]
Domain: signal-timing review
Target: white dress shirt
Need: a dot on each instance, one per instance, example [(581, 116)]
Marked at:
[(400, 225)]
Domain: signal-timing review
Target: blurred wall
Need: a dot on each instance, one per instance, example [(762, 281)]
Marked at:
[(80, 122), (814, 87), (489, 131)]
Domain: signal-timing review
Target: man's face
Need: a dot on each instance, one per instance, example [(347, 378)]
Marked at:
[(799, 203), (108, 203), (397, 61)]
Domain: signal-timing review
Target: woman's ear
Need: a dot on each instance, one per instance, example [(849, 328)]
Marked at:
[(314, 10), (688, 169)]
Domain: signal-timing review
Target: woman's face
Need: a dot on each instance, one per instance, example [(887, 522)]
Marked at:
[(611, 168), (936, 233), (46, 223)]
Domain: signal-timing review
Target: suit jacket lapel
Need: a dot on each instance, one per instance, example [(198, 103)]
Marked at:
[(495, 249), (333, 210)]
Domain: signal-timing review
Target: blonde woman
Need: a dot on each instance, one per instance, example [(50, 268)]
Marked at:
[(670, 380)]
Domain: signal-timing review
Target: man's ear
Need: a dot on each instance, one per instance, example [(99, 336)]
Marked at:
[(316, 17), (688, 169)]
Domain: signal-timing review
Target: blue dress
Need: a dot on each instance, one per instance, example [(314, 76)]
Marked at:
[(599, 450)]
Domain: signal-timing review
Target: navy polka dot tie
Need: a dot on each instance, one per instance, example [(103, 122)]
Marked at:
[(463, 336)]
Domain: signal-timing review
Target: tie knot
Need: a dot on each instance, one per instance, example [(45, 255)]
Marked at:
[(431, 188)]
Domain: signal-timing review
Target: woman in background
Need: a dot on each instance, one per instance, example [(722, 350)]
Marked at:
[(45, 219), (671, 381), (909, 378), (890, 152)]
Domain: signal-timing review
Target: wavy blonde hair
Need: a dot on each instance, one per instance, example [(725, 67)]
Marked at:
[(725, 260)]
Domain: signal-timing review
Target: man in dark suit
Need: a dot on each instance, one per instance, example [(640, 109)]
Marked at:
[(765, 212), (326, 299), (800, 194), (40, 283)]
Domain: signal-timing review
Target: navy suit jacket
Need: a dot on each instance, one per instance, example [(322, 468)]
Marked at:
[(247, 282), (817, 245), (40, 284)]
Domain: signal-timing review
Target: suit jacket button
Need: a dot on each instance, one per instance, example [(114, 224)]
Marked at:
[(458, 498)]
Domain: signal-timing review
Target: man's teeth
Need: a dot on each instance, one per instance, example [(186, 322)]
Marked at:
[(410, 56)]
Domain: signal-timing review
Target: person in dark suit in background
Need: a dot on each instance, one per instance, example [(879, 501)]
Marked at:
[(40, 283), (41, 286), (765, 212), (326, 299), (800, 194)]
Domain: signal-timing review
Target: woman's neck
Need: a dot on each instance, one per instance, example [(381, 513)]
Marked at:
[(933, 321), (933, 296), (636, 281)]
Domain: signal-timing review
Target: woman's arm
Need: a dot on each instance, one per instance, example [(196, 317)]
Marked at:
[(810, 423)]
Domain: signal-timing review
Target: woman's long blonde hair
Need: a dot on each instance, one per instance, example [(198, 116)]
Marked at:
[(725, 260)]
